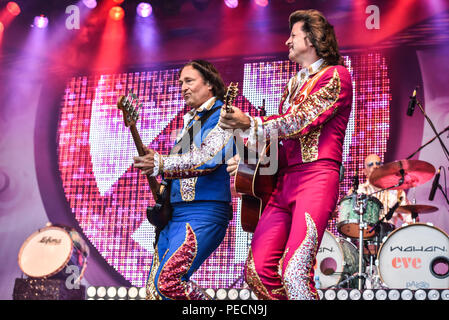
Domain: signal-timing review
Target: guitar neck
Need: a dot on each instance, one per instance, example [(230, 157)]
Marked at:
[(154, 184)]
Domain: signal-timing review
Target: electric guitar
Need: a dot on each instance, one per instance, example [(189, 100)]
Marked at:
[(160, 213)]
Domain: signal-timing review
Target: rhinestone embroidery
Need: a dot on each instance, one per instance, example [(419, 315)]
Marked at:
[(170, 283), (297, 275), (253, 280), (151, 288), (306, 112), (256, 285), (185, 165), (188, 188), (309, 145)]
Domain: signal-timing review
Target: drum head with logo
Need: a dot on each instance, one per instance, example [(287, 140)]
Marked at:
[(45, 252), (415, 257), (332, 259)]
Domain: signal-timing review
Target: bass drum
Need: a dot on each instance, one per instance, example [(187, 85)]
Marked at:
[(415, 256), (49, 251), (336, 260)]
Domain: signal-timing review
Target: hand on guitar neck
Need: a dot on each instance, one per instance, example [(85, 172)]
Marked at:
[(234, 118), (147, 162)]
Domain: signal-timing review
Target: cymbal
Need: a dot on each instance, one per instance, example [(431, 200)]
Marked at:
[(417, 208), (416, 172)]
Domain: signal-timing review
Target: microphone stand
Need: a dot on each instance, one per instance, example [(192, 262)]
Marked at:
[(444, 194), (433, 128), (387, 216), (428, 142), (360, 207)]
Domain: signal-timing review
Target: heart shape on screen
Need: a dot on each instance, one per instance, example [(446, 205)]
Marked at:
[(111, 144)]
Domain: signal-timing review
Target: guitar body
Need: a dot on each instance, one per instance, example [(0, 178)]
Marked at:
[(160, 214), (256, 190)]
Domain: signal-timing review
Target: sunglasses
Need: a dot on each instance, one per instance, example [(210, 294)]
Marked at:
[(370, 164)]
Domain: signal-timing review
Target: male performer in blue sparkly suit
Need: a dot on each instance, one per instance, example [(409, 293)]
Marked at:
[(200, 190)]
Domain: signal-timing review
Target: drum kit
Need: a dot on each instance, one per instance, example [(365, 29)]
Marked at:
[(376, 255), (414, 256), (54, 252)]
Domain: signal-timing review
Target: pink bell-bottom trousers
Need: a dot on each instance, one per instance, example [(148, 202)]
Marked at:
[(280, 263)]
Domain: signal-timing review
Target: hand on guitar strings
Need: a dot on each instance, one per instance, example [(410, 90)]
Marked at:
[(146, 163), (234, 119), (233, 164)]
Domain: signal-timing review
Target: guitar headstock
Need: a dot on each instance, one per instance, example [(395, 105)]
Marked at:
[(230, 95), (130, 107)]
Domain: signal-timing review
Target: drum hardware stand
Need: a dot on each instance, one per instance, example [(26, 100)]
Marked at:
[(427, 143), (437, 185), (387, 216), (443, 146), (355, 275), (444, 194), (361, 206)]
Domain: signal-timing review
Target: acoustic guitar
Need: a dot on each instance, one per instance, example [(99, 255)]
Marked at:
[(254, 187)]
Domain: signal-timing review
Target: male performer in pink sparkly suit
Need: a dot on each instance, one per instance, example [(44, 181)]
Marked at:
[(311, 125)]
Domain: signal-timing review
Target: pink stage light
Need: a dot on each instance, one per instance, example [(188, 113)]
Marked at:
[(231, 3), (41, 21), (261, 3), (90, 3), (2, 27), (13, 8), (144, 9)]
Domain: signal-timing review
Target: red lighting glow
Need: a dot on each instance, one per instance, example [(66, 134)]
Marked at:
[(116, 13), (13, 8), (261, 3)]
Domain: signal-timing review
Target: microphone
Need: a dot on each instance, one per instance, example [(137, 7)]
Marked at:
[(435, 185), (393, 209), (412, 103)]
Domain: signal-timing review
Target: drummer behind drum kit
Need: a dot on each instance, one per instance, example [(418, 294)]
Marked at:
[(414, 256)]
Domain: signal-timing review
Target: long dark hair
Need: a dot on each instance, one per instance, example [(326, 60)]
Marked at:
[(210, 74), (320, 33)]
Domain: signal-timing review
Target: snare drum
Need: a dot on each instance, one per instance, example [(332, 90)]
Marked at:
[(47, 252), (349, 218), (415, 256), (336, 259)]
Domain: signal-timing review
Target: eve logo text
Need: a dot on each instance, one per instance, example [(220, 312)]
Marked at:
[(406, 263)]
